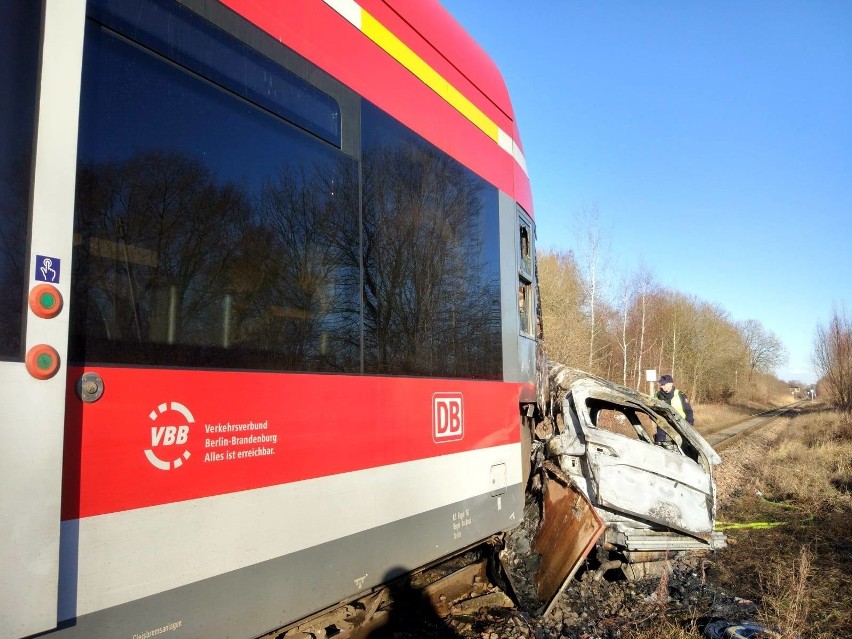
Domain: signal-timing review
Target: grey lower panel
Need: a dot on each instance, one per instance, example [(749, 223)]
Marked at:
[(249, 602)]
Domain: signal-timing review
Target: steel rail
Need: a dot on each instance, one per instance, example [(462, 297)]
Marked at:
[(725, 437)]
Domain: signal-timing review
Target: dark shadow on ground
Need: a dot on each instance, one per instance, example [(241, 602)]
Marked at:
[(411, 615)]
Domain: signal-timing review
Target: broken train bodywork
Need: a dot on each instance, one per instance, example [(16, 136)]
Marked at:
[(654, 501)]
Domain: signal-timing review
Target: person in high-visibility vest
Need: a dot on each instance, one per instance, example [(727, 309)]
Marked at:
[(671, 395)]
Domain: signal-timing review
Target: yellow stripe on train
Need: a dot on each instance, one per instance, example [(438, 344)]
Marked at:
[(402, 53)]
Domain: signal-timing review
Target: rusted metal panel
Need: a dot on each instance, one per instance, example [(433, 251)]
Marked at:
[(569, 529)]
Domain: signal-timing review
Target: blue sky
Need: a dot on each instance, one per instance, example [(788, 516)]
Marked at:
[(715, 139)]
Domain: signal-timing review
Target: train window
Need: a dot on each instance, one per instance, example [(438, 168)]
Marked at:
[(525, 249), (20, 26), (525, 269), (209, 232), (431, 259), (525, 306), (183, 38)]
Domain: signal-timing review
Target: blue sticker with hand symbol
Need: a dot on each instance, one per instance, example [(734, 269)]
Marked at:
[(47, 269)]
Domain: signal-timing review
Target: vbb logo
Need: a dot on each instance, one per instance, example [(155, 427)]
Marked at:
[(164, 438), (447, 417)]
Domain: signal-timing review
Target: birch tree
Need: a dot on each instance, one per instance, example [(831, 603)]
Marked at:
[(643, 282), (593, 259)]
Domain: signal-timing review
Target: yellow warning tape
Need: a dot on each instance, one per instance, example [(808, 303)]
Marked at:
[(754, 525)]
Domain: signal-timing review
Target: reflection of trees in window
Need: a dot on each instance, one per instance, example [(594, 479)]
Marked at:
[(431, 288), (156, 235), (308, 297), (173, 267)]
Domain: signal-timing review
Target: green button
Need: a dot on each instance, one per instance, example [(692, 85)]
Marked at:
[(44, 361), (47, 300)]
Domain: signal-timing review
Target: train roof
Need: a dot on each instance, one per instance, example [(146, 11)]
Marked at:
[(437, 26)]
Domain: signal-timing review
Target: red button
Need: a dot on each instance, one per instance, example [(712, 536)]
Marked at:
[(42, 361), (45, 301)]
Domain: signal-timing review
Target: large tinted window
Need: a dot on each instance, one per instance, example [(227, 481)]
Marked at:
[(20, 25), (431, 260), (210, 230), (214, 228)]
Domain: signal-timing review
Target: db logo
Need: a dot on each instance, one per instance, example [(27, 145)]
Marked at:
[(165, 439), (447, 417)]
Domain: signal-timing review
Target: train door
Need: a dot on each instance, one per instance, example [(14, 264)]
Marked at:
[(38, 139)]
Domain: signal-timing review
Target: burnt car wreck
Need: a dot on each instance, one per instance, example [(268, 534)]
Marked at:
[(602, 483)]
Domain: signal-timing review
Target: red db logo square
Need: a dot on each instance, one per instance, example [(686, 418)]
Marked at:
[(447, 417)]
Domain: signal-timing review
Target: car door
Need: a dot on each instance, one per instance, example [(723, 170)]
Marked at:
[(632, 475)]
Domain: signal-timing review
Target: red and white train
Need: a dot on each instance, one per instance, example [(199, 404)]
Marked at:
[(267, 329)]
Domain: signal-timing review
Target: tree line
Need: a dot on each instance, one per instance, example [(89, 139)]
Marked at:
[(619, 329)]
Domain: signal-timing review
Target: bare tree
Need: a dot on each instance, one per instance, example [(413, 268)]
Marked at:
[(832, 358), (561, 289), (643, 284), (593, 253), (711, 351), (624, 296), (763, 348)]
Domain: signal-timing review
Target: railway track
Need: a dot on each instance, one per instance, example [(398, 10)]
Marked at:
[(728, 435)]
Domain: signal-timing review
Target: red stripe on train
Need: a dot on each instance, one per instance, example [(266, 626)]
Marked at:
[(162, 436)]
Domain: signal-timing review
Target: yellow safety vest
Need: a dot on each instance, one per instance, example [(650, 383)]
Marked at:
[(677, 404)]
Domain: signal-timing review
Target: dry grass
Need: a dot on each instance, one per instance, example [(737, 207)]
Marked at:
[(710, 418), (797, 472), (808, 463), (668, 629), (787, 593)]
